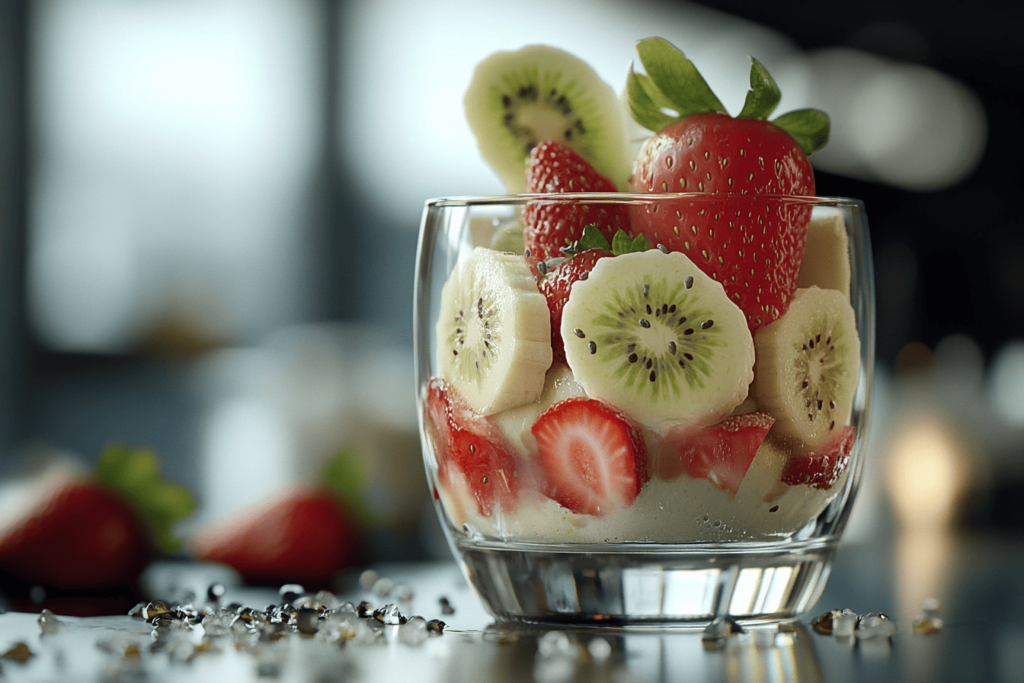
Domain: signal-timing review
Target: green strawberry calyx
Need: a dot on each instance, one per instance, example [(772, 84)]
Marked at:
[(135, 474), (621, 243), (673, 89)]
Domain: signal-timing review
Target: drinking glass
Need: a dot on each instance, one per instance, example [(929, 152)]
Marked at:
[(686, 551)]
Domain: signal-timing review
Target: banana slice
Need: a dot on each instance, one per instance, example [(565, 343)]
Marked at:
[(494, 332), (826, 259), (808, 366)]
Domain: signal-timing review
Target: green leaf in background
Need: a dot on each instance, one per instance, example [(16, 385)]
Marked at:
[(809, 127), (677, 78), (346, 477), (763, 96), (135, 474)]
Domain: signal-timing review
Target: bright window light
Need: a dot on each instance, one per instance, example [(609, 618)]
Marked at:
[(176, 142)]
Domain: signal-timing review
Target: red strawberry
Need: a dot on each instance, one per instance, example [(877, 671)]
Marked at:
[(555, 287), (721, 453), (73, 531), (472, 446), (302, 535), (555, 168), (593, 459), (754, 247), (821, 469)]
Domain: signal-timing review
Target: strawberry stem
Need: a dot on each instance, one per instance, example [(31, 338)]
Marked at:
[(135, 474)]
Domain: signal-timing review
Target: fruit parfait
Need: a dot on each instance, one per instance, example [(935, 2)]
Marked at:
[(654, 355)]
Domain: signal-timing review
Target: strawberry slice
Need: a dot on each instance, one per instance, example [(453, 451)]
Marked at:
[(470, 445), (593, 459), (821, 469), (555, 287), (721, 453), (754, 246), (555, 168)]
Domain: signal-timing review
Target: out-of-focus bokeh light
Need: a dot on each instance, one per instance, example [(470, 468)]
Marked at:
[(926, 472), (1006, 384), (175, 142), (900, 124)]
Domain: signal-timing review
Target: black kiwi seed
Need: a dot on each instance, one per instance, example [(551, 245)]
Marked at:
[(689, 282), (644, 323), (633, 358), (706, 325), (579, 333), (592, 346)]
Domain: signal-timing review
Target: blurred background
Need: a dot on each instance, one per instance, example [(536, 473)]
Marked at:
[(208, 216)]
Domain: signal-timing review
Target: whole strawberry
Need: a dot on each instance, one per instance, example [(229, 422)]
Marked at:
[(755, 246), (556, 169), (70, 530), (303, 534)]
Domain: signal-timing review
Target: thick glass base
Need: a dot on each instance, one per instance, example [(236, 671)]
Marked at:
[(653, 585)]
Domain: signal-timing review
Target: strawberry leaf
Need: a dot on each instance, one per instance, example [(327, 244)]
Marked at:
[(346, 477), (135, 474), (678, 80), (622, 244), (593, 239), (645, 110), (763, 96), (809, 127)]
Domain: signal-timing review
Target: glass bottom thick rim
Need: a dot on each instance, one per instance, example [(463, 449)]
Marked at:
[(646, 584)]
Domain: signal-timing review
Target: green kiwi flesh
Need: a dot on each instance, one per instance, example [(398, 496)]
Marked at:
[(653, 335)]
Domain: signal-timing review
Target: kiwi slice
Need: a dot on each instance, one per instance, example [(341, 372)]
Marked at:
[(808, 366), (517, 100), (493, 332), (654, 336)]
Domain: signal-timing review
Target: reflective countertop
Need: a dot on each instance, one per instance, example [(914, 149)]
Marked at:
[(975, 582)]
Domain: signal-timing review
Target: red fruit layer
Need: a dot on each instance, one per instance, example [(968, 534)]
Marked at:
[(592, 458), (821, 469), (473, 446), (721, 453), (753, 249), (555, 168)]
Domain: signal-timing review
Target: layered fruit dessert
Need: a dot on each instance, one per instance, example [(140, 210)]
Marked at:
[(659, 344)]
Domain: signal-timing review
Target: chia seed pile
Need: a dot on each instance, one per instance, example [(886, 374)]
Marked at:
[(187, 629)]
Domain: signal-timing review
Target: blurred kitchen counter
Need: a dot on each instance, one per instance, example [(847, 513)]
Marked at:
[(976, 579)]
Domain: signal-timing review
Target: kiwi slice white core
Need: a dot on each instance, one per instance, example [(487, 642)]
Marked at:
[(653, 335)]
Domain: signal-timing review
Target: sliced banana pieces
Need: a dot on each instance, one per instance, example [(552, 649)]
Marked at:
[(808, 366), (826, 259), (493, 332)]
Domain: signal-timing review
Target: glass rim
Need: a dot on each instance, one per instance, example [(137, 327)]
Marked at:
[(634, 198)]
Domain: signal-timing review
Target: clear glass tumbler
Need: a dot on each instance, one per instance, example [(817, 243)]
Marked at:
[(729, 496)]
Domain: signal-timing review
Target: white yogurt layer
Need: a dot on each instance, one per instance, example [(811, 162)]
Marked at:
[(683, 510)]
